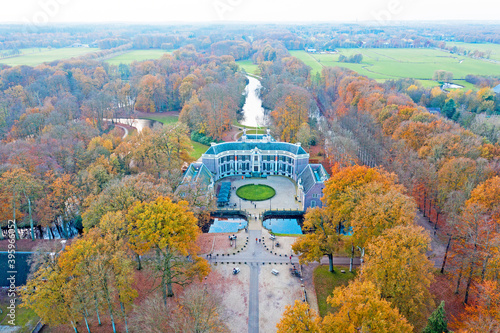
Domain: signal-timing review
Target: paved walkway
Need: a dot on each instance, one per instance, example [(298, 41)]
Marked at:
[(255, 255), (124, 129)]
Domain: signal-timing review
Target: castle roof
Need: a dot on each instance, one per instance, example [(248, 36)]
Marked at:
[(311, 175), (283, 146)]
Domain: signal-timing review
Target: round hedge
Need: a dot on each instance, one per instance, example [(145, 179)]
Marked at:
[(255, 192)]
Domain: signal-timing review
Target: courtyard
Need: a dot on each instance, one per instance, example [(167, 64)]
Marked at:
[(284, 198), (262, 296)]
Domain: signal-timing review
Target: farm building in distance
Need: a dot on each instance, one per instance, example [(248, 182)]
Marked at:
[(260, 156)]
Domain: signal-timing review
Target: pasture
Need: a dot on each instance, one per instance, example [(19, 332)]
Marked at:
[(37, 56), (136, 55), (484, 47), (385, 64), (248, 66)]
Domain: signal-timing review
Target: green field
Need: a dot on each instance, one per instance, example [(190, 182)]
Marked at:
[(309, 60), (32, 56), (137, 55), (255, 192), (163, 118), (484, 47), (248, 66), (199, 149), (384, 64), (325, 282)]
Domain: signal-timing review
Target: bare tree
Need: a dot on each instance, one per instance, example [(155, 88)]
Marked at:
[(198, 310)]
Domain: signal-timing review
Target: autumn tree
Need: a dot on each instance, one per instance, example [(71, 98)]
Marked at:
[(160, 151), (340, 206), (299, 318), (219, 109), (482, 315), (61, 203), (455, 175), (476, 242), (475, 251), (19, 190), (378, 211), (360, 308), (354, 197), (396, 262), (486, 194), (96, 108), (120, 195), (304, 135), (151, 97), (170, 231), (323, 238), (289, 115), (101, 262), (51, 297)]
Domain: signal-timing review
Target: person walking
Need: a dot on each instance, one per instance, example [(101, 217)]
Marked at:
[(256, 240)]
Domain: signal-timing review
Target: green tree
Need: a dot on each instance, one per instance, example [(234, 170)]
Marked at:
[(449, 108), (437, 322)]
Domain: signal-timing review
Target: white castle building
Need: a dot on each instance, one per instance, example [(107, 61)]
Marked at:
[(260, 156)]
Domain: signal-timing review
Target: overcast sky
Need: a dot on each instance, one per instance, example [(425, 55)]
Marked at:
[(168, 11)]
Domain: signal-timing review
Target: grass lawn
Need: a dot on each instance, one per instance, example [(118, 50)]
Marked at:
[(386, 64), (3, 310), (25, 318), (199, 149), (137, 55), (164, 118), (429, 83), (251, 131), (255, 192), (325, 282), (248, 66), (236, 123), (31, 57), (284, 235)]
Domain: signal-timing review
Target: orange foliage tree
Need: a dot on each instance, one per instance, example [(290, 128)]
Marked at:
[(170, 231)]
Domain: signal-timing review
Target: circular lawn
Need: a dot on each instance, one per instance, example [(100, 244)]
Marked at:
[(255, 192)]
